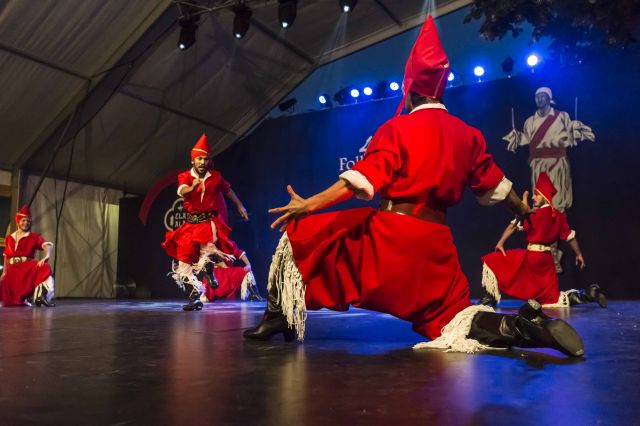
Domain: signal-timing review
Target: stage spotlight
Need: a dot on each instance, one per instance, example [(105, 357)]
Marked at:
[(325, 100), (381, 90), (241, 20), (533, 60), (288, 105), (347, 6), (343, 96), (188, 22), (187, 35), (354, 93), (451, 77), (367, 91), (287, 12), (478, 71), (507, 66), (394, 86)]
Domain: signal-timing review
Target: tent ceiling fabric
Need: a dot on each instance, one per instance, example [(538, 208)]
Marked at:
[(221, 85)]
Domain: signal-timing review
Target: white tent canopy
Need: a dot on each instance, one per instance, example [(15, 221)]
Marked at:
[(110, 74)]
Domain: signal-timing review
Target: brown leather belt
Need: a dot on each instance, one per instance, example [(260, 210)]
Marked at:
[(18, 259), (419, 211)]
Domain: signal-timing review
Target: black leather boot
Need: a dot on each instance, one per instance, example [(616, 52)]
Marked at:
[(194, 298), (42, 300), (211, 277), (529, 328), (254, 294), (273, 321), (591, 294), (487, 300), (597, 295)]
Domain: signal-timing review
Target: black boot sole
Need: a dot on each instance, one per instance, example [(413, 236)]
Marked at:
[(566, 338), (288, 335), (194, 307), (266, 330)]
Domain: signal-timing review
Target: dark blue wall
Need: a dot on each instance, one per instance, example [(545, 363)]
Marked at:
[(306, 151)]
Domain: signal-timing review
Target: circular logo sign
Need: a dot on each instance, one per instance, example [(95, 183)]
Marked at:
[(175, 216)]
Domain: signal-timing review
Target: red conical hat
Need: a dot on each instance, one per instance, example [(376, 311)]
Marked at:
[(201, 148), (428, 67), (23, 212), (545, 187)]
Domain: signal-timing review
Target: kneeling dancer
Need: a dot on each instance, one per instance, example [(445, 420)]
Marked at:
[(400, 258)]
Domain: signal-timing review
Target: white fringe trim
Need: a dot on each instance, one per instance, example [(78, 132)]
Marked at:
[(184, 273), (563, 300), (48, 285), (454, 335), (285, 275), (248, 282), (490, 282)]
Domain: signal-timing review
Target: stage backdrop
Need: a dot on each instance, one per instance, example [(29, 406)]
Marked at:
[(309, 151)]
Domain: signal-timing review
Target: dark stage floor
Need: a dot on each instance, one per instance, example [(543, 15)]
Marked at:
[(121, 363)]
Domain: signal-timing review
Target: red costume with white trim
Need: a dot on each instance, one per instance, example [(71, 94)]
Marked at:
[(390, 262), (531, 273), (184, 243), (22, 274)]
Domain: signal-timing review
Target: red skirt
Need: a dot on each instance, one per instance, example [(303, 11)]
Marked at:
[(382, 261), (230, 280), (20, 281), (184, 243), (525, 274)]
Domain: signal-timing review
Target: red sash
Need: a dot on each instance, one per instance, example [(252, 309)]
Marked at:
[(534, 151)]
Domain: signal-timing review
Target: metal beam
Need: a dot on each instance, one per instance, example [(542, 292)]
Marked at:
[(290, 46), (389, 13), (176, 112), (41, 61)]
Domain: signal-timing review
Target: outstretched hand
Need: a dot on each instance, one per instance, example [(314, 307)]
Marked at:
[(296, 208), (580, 263), (525, 213)]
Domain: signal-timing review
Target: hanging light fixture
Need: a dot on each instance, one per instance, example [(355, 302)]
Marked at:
[(241, 20), (287, 10)]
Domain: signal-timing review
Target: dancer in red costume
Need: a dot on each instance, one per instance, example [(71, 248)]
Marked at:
[(204, 236), (23, 276), (531, 273), (400, 259)]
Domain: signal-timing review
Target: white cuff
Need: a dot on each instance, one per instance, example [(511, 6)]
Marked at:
[(364, 189), (571, 235), (180, 189), (46, 243), (497, 194)]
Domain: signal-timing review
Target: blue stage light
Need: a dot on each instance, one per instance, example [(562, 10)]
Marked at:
[(394, 86), (367, 91), (478, 71), (533, 60), (322, 99), (451, 77), (355, 93)]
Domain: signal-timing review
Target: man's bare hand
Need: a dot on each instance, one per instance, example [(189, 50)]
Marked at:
[(243, 213), (296, 209)]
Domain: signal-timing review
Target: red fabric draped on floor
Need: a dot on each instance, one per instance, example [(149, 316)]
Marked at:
[(230, 280)]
